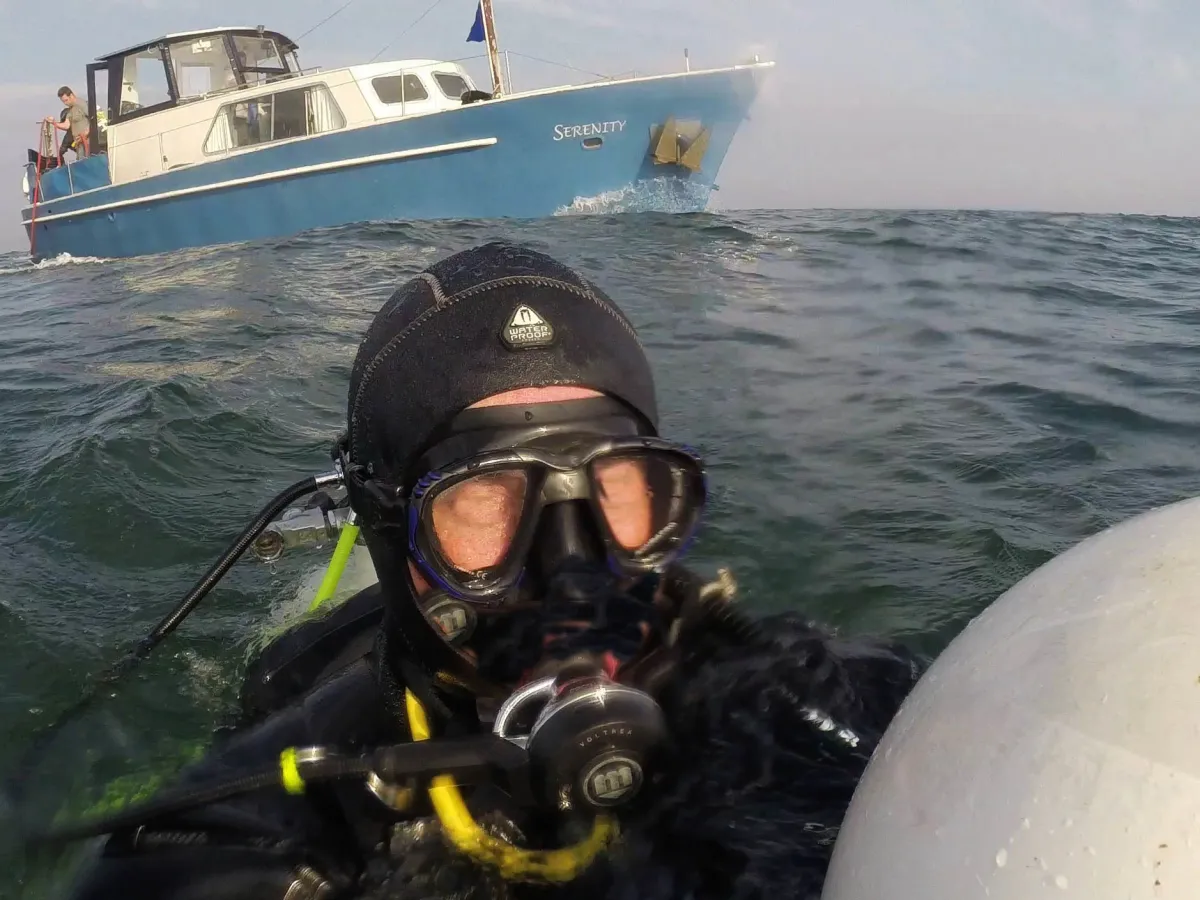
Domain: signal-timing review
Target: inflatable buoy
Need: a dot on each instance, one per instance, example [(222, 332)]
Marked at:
[(1053, 750)]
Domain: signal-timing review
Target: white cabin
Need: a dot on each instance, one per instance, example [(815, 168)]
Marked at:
[(191, 98)]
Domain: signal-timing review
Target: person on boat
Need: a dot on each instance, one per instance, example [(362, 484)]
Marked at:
[(526, 521), (74, 121)]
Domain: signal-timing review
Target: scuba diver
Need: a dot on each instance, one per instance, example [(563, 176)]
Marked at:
[(537, 697)]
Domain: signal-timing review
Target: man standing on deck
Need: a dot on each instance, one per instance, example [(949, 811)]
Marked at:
[(75, 122)]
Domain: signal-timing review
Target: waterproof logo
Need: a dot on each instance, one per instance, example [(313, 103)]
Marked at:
[(526, 330), (453, 618), (613, 781)]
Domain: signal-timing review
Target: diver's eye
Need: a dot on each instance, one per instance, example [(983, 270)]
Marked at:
[(475, 520), (626, 499)]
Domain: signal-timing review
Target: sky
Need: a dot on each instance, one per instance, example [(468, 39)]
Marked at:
[(1063, 105)]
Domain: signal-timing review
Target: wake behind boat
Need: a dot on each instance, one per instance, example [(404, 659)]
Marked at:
[(219, 136)]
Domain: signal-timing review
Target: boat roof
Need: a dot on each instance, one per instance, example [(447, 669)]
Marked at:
[(286, 43), (400, 65)]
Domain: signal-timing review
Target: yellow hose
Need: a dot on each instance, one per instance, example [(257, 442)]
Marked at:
[(337, 565), (513, 863)]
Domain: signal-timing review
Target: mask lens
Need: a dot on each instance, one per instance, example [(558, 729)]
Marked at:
[(645, 501), (475, 526), (625, 495), (475, 520)]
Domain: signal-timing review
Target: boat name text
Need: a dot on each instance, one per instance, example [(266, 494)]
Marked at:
[(591, 128)]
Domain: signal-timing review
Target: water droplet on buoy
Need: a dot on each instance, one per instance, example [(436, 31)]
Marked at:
[(1001, 858), (1060, 882)]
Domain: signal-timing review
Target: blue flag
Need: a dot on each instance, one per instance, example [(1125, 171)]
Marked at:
[(476, 34)]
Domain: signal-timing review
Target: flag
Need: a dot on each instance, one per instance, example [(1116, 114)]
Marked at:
[(476, 34)]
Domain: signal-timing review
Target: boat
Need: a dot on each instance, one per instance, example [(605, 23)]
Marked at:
[(221, 136)]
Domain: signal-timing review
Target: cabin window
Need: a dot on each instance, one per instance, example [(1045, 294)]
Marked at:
[(298, 112), (258, 57), (399, 88), (201, 66), (453, 86), (143, 81)]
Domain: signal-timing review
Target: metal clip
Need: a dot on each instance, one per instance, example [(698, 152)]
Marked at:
[(297, 529), (509, 716)]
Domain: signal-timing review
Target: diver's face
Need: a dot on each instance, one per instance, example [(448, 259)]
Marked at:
[(475, 521)]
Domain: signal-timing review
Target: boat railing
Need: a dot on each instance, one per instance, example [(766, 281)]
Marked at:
[(595, 76), (236, 88)]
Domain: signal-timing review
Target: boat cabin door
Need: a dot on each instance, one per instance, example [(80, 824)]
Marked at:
[(97, 101)]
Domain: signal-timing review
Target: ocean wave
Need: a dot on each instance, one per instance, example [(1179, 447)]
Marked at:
[(902, 413), (12, 266), (662, 195)]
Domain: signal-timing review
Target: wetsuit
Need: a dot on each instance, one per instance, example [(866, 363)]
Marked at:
[(751, 806)]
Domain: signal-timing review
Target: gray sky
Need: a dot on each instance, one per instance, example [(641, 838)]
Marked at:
[(1079, 105)]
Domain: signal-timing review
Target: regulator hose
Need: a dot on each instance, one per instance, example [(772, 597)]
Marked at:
[(282, 501), (143, 648), (299, 767), (292, 772)]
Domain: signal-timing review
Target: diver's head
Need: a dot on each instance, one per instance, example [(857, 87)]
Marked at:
[(503, 457)]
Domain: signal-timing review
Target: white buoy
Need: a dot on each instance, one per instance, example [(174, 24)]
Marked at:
[(1053, 750)]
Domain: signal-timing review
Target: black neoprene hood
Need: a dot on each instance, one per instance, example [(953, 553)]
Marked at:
[(494, 318)]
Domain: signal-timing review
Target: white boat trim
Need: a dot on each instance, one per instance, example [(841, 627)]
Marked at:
[(509, 98), (272, 176)]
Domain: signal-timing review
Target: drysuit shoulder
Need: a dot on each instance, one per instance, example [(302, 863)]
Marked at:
[(187, 873), (310, 652), (265, 844)]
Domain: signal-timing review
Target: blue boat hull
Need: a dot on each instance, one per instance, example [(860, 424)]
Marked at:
[(521, 157)]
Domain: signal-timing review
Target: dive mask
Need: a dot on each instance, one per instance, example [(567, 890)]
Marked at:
[(509, 489)]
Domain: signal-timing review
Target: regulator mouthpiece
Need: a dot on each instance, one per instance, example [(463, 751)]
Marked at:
[(591, 740)]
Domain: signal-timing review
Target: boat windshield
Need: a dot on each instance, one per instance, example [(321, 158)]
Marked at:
[(202, 67), (259, 57), (143, 81)]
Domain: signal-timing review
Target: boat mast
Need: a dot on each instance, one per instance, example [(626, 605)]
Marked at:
[(489, 34)]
